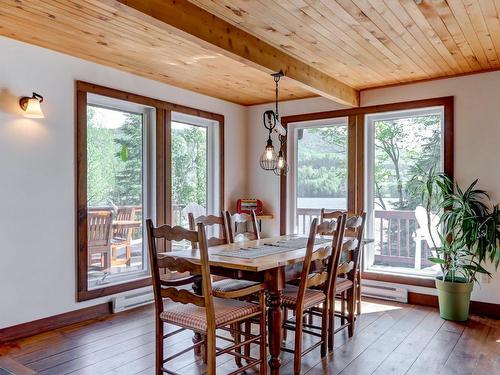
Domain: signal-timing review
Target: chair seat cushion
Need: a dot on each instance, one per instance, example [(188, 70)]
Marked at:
[(342, 284), (230, 285), (311, 297), (194, 317)]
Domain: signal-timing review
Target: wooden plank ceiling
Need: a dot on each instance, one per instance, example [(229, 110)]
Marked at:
[(369, 43), (361, 43), (107, 33)]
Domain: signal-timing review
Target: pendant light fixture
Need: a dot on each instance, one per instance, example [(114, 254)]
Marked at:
[(269, 160)]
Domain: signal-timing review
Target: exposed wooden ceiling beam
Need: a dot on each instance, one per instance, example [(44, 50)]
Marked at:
[(192, 22)]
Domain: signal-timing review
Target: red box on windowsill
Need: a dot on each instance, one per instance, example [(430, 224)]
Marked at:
[(245, 206)]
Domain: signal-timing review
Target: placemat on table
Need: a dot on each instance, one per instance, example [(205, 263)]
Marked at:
[(252, 252)]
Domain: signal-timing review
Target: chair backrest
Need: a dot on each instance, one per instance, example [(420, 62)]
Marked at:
[(211, 220), (349, 259), (195, 209), (237, 222), (124, 214), (99, 228), (431, 236), (322, 274), (169, 288)]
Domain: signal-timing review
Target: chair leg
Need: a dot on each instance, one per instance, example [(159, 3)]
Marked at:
[(248, 329), (211, 351), (285, 317), (128, 255), (358, 295), (324, 329), (263, 343), (237, 340), (331, 321), (310, 318), (343, 306), (159, 347), (351, 307), (297, 356), (204, 349)]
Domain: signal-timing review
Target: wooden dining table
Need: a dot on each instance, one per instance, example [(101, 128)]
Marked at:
[(269, 269)]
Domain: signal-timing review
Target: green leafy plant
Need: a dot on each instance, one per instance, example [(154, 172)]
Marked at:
[(470, 226)]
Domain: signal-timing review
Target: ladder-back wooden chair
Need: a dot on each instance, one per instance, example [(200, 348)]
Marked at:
[(236, 222), (346, 283), (122, 236), (99, 238), (216, 223), (303, 298), (332, 215), (202, 314)]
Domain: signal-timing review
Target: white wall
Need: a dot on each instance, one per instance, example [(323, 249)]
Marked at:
[(477, 140), (37, 165)]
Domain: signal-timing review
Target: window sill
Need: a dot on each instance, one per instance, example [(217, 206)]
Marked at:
[(85, 295)]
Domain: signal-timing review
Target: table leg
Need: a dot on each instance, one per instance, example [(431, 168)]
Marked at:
[(275, 282)]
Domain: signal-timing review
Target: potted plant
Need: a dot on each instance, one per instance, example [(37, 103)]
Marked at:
[(469, 236)]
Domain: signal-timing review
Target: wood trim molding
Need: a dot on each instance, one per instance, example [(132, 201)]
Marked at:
[(491, 310), (22, 330), (421, 103), (163, 183)]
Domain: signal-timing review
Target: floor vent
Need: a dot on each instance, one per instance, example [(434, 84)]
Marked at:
[(385, 292), (131, 301)]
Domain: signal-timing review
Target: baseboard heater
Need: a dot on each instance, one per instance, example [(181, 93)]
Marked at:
[(385, 292), (131, 301)]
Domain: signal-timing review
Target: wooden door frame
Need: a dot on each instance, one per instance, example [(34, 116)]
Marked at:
[(163, 176), (356, 161)]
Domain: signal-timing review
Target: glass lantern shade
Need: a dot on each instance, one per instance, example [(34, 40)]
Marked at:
[(268, 160), (281, 165)]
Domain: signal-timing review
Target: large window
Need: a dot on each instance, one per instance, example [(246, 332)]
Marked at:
[(318, 177), (402, 147), (195, 172), (118, 157), (369, 159), (138, 158)]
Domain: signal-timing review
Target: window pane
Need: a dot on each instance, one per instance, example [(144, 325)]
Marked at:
[(321, 172), (189, 174), (114, 194), (405, 146)]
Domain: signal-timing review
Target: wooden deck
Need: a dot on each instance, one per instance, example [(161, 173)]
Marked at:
[(390, 339)]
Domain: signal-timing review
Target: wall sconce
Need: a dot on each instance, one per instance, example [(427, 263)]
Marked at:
[(31, 106)]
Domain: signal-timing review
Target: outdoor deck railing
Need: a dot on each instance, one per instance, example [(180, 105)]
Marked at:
[(395, 234)]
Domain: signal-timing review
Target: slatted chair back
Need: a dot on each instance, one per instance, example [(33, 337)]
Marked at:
[(236, 222), (320, 275), (216, 222), (328, 215), (120, 232), (170, 288), (99, 228), (351, 250), (335, 228)]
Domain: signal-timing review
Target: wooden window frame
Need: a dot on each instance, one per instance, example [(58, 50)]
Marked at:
[(356, 162), (162, 183)]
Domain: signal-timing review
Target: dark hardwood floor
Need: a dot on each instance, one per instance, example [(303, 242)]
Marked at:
[(390, 338)]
